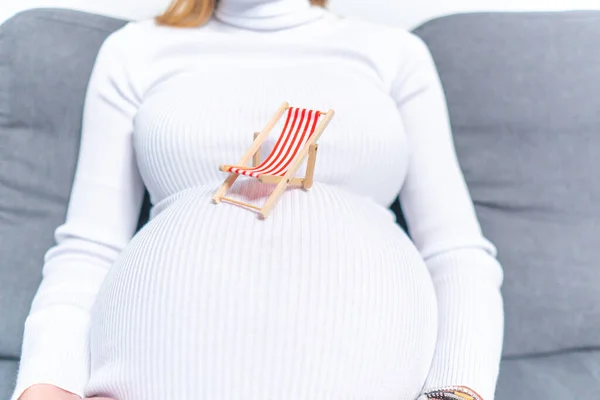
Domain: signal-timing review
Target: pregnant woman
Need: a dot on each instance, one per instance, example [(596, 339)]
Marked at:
[(327, 298)]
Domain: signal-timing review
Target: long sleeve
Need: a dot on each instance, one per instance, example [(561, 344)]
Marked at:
[(101, 219), (445, 229)]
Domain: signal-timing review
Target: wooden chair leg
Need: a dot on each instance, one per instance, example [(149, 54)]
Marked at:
[(310, 167), (276, 179), (272, 200), (224, 188), (256, 156)]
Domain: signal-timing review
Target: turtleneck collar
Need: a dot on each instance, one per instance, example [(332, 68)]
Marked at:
[(266, 14)]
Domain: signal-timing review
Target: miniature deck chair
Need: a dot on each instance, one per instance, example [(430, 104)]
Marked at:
[(297, 140)]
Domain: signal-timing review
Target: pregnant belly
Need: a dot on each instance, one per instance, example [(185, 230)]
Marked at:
[(325, 299)]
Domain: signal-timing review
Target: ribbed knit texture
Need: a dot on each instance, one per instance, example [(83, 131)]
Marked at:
[(325, 299)]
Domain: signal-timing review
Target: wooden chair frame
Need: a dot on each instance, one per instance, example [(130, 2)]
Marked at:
[(253, 154)]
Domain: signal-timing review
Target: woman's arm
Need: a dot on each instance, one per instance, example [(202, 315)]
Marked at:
[(101, 218), (445, 229)]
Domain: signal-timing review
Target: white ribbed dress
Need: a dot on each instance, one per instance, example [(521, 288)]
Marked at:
[(325, 299)]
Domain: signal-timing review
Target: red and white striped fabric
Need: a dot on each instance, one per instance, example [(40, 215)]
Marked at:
[(299, 126)]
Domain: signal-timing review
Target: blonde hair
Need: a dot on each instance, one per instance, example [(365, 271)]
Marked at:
[(192, 13)]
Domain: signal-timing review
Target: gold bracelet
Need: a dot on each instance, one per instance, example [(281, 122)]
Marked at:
[(452, 393)]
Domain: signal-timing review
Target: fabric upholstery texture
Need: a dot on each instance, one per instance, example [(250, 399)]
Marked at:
[(524, 94), (8, 371), (570, 375), (46, 58)]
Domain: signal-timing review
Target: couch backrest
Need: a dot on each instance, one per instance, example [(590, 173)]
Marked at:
[(46, 58), (524, 98)]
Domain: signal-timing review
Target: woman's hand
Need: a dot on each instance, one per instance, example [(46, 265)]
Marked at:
[(44, 391), (51, 392)]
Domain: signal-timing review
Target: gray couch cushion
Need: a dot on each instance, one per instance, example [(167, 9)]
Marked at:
[(8, 372), (573, 375), (524, 99), (46, 59)]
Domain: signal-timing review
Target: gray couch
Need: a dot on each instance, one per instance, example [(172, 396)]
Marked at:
[(524, 99)]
